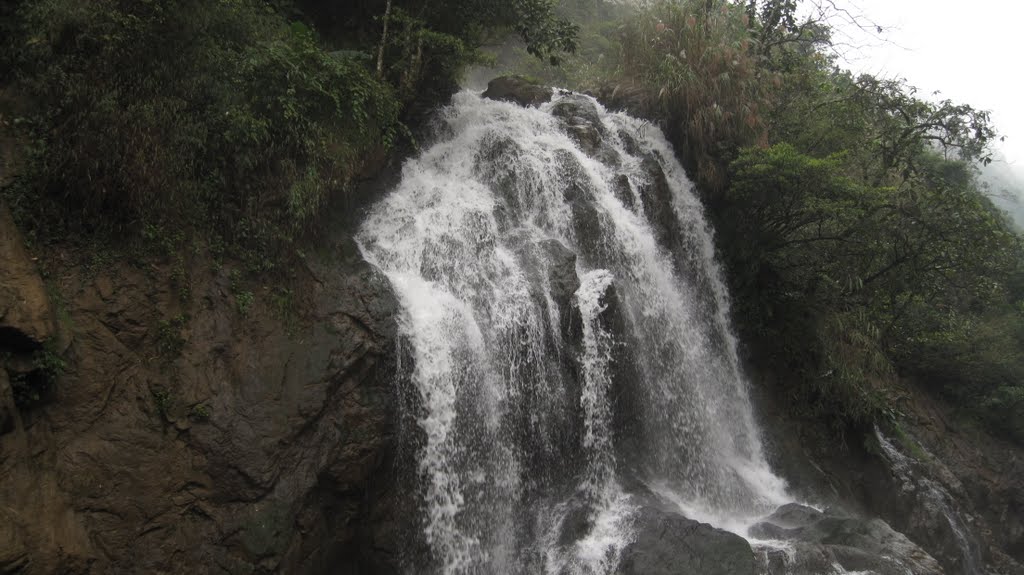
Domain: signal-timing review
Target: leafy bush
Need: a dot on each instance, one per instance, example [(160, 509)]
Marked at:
[(694, 64)]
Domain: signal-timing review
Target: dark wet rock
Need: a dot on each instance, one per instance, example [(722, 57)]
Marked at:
[(588, 138), (13, 553), (550, 268), (952, 489), (931, 505), (667, 543), (631, 445), (629, 143), (792, 516), (958, 492), (495, 150), (658, 203), (608, 156), (586, 219), (184, 438), (577, 524), (26, 317), (576, 110), (799, 559), (623, 190), (497, 163), (562, 281), (854, 543), (581, 120), (551, 263), (519, 90)]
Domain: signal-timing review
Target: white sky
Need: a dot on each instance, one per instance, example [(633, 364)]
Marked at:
[(969, 51)]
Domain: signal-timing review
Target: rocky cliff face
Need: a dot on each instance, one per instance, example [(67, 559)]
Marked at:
[(949, 487), (207, 426)]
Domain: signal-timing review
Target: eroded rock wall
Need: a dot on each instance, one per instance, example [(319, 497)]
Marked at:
[(189, 435)]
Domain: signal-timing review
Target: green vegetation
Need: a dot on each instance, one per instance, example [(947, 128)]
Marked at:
[(164, 402), (710, 90), (862, 251), (233, 119), (199, 412), (169, 341), (283, 304), (244, 300)]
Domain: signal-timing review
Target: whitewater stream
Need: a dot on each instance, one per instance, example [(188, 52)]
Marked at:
[(569, 336)]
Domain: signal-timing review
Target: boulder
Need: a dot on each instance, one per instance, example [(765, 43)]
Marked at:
[(854, 543), (581, 120), (669, 544), (518, 90), (577, 110), (796, 559)]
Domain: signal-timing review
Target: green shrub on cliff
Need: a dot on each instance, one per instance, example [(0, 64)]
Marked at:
[(697, 70)]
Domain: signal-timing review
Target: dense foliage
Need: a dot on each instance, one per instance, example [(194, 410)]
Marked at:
[(164, 112), (231, 117), (861, 248)]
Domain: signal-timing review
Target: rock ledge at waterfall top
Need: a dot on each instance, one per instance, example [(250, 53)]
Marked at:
[(519, 90)]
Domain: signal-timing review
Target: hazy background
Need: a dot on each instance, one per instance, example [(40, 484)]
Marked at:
[(967, 51)]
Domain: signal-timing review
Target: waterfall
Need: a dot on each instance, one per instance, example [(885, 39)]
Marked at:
[(569, 337)]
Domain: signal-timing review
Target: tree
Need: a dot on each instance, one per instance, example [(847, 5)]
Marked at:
[(883, 276), (904, 126)]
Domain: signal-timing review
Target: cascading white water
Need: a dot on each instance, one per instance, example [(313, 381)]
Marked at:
[(542, 410)]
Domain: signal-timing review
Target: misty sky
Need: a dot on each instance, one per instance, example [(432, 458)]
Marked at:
[(970, 51)]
